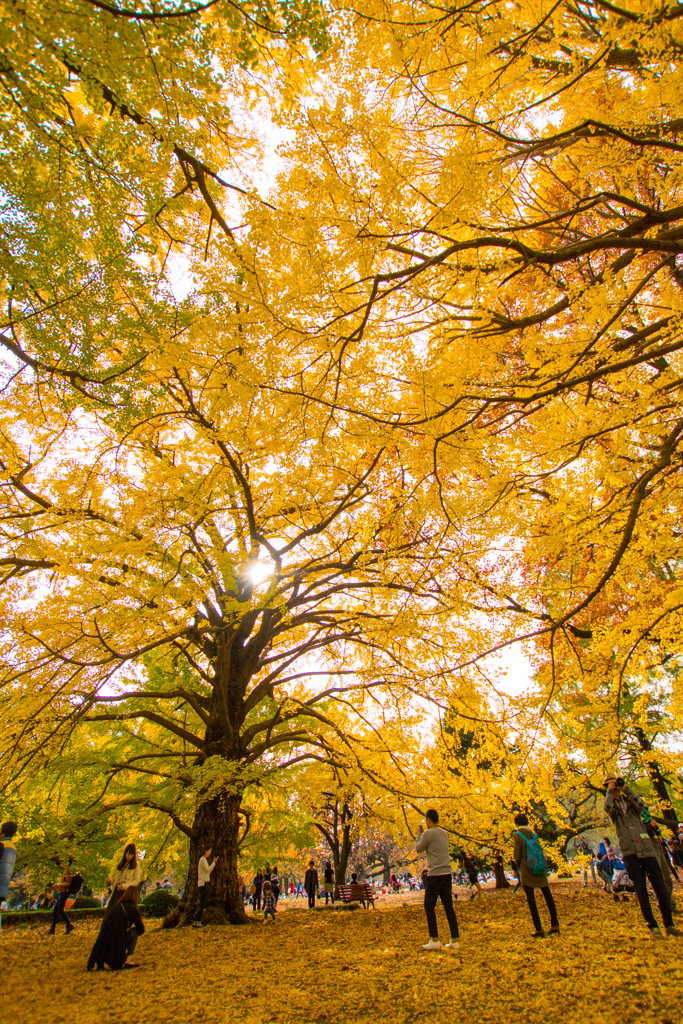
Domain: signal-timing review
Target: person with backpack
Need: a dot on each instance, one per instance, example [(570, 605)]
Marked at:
[(625, 808), (533, 873), (433, 842), (8, 856), (61, 890), (75, 886)]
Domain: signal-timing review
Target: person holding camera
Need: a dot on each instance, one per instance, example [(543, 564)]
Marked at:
[(624, 807), (433, 841)]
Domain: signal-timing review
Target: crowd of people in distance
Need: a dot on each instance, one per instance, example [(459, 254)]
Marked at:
[(641, 855)]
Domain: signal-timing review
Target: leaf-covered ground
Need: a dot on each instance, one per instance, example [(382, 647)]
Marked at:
[(314, 967)]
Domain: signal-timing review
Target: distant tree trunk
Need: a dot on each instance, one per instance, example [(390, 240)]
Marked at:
[(216, 827), (337, 835), (499, 869), (659, 783)]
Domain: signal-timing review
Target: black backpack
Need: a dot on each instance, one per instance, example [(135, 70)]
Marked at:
[(75, 884)]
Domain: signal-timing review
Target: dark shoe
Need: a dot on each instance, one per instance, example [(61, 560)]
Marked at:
[(129, 967), (538, 935), (615, 897), (51, 930), (674, 931), (69, 929), (655, 933), (555, 930), (624, 899)]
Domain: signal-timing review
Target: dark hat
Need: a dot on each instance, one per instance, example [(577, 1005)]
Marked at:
[(9, 829)]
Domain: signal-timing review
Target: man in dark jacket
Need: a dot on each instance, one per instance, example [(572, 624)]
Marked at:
[(624, 807), (311, 883)]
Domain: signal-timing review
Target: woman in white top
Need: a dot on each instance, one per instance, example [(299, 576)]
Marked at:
[(127, 874), (204, 870)]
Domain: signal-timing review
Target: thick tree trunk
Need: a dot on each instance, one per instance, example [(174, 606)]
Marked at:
[(499, 869), (341, 859), (216, 827), (658, 781)]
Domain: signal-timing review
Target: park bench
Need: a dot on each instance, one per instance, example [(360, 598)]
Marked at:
[(361, 891)]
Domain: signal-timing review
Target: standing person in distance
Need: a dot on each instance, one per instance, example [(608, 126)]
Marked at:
[(587, 852), (530, 862), (61, 891), (257, 887), (204, 870), (311, 883), (275, 885), (471, 869), (268, 902), (433, 842), (127, 874), (624, 807), (328, 883)]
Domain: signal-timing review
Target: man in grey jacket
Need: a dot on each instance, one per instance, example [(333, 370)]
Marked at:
[(625, 808), (433, 841)]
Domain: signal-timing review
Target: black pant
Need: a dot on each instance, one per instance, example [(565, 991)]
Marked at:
[(550, 903), (311, 899), (328, 895), (639, 870), (58, 911), (201, 904), (435, 887), (256, 901)]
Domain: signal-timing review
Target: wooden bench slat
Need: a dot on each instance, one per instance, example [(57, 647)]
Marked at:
[(366, 894)]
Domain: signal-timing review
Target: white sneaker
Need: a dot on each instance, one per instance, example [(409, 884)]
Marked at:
[(453, 944), (432, 944)]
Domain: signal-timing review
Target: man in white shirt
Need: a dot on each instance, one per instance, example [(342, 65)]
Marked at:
[(433, 841)]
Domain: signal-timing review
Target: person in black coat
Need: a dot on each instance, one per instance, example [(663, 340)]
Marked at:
[(311, 883), (118, 935)]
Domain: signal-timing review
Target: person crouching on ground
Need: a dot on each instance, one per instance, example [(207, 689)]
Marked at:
[(121, 928), (624, 807), (433, 841), (268, 902), (532, 872)]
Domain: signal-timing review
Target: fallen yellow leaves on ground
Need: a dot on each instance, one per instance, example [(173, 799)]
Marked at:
[(312, 967)]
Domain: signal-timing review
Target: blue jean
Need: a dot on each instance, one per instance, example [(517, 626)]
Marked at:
[(272, 914), (58, 911)]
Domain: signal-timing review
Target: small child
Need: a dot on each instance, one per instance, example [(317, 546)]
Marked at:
[(268, 903)]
